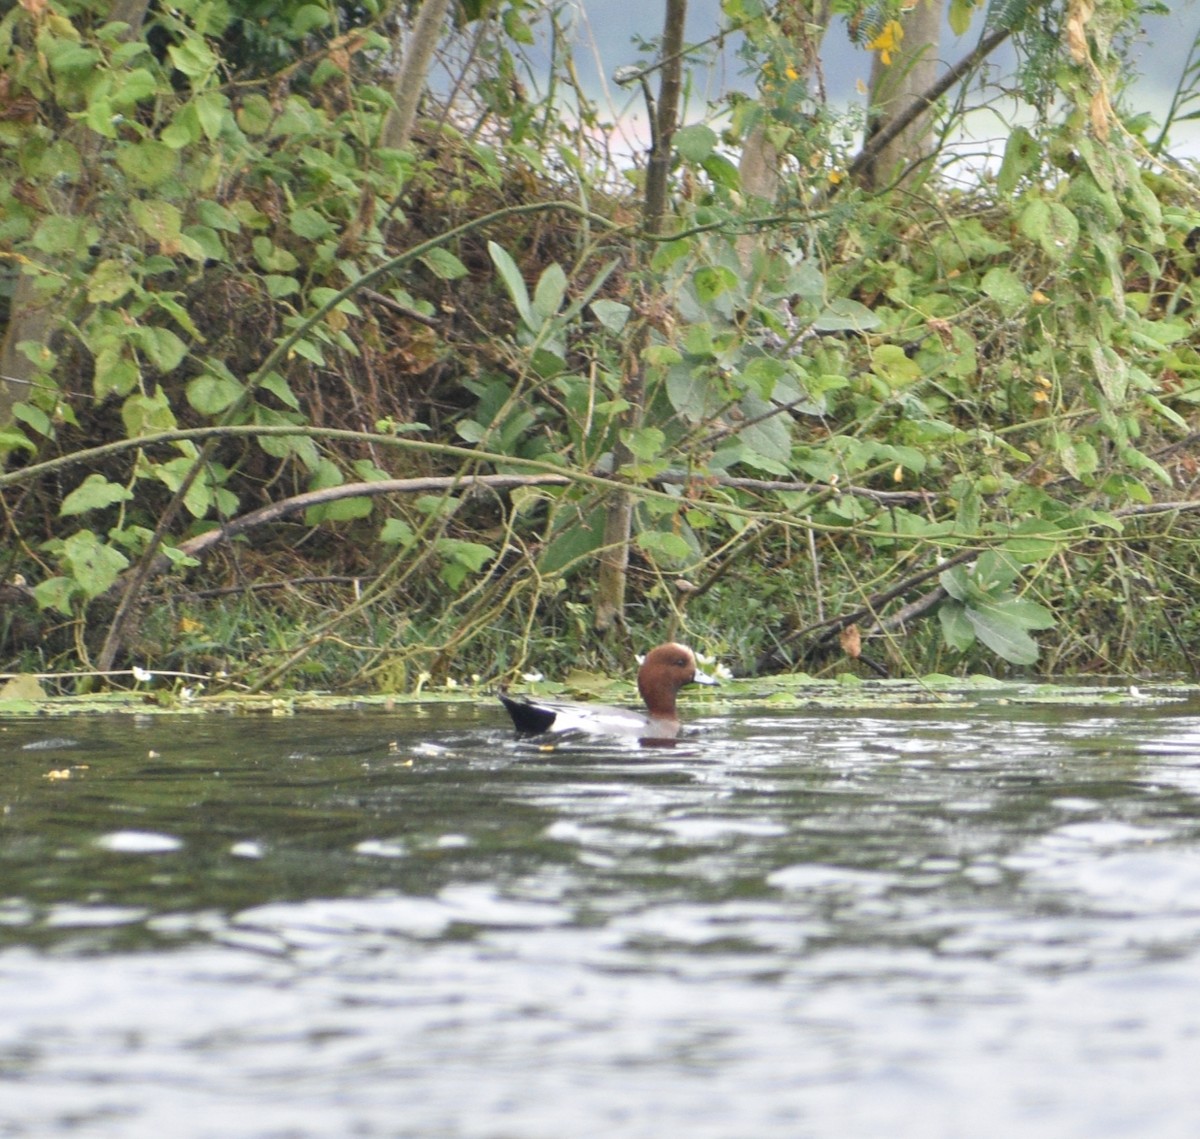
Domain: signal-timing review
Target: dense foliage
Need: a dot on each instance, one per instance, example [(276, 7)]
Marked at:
[(974, 394)]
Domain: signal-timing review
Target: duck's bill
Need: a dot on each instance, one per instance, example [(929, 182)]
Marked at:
[(704, 678)]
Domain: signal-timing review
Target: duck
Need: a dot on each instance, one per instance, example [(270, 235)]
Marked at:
[(665, 670)]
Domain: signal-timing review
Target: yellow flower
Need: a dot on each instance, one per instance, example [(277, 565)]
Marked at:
[(791, 72), (887, 41)]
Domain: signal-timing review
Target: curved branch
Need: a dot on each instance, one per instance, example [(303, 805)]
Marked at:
[(276, 510)]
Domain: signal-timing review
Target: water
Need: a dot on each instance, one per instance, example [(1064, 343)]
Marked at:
[(918, 923)]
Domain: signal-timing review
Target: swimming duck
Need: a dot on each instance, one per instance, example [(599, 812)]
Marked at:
[(664, 672)]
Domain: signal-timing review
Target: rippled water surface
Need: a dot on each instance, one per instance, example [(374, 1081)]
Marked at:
[(933, 922)]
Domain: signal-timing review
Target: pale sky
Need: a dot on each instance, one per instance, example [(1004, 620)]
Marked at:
[(605, 30)]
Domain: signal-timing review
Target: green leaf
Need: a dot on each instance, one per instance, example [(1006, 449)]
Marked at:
[(770, 437), (310, 352), (845, 315), (308, 18), (461, 558), (645, 443), (56, 593), (71, 59), (94, 493), (34, 417), (891, 363), (998, 627), (664, 544), (611, 314), (133, 87), (255, 114), (12, 440), (113, 372), (1021, 155), (162, 347), (1005, 288), (278, 387), (1167, 413), (723, 172), (576, 536), (217, 216), (272, 258), (368, 471), (955, 582), (957, 631), (160, 220), (321, 295), (1078, 457), (310, 224), (100, 116), (550, 290), (713, 280), (960, 15), (994, 571), (688, 392), (109, 282), (142, 413), (279, 286), (1029, 614), (93, 565), (210, 395), (1033, 540), (60, 234), (762, 375), (1052, 225), (193, 57), (444, 265), (200, 242), (970, 506), (397, 532), (695, 143), (184, 128), (473, 555), (289, 446), (510, 275), (149, 162)]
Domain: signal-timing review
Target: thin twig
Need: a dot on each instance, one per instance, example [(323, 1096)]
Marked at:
[(406, 311)]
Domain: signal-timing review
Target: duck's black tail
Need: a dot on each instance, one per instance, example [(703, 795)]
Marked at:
[(528, 717)]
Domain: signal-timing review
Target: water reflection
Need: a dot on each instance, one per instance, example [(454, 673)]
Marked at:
[(928, 922)]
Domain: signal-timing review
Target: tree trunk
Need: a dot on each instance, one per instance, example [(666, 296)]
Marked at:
[(895, 87), (803, 22), (27, 320), (410, 83), (609, 606)]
